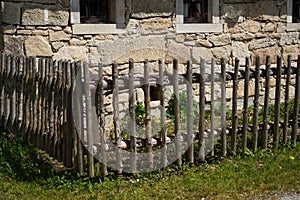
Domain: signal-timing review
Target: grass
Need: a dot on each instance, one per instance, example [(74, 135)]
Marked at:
[(26, 173)]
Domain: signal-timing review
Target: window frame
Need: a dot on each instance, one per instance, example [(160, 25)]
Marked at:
[(291, 26), (101, 28), (213, 24)]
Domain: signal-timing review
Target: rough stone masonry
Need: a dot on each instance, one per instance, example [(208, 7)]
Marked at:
[(249, 28)]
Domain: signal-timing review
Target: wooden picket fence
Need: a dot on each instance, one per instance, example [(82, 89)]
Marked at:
[(40, 99)]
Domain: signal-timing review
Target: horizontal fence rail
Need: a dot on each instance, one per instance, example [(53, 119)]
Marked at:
[(55, 106)]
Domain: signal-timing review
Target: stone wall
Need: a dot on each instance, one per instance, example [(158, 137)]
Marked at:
[(250, 28)]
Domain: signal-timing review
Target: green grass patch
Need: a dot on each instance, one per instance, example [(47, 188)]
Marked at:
[(26, 173)]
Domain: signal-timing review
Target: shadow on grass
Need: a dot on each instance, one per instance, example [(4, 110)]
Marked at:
[(21, 161)]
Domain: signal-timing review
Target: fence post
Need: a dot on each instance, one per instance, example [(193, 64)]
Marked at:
[(212, 107), (25, 126), (177, 113), (286, 99), (277, 103), (202, 110), (50, 106), (163, 134), (7, 90), (33, 101), (190, 111), (148, 114), (13, 103), (69, 125), (59, 100), (116, 117), (265, 132), (223, 107), (296, 104), (101, 115), (245, 106), (78, 113), (256, 104), (234, 106), (89, 129), (132, 116), (2, 65)]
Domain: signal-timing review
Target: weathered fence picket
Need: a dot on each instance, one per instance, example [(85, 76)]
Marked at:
[(148, 128), (177, 113), (41, 97), (223, 107), (190, 120), (286, 100), (277, 103), (245, 106), (295, 123), (163, 133), (133, 149), (212, 108), (201, 142), (256, 104), (234, 107), (115, 74), (265, 132)]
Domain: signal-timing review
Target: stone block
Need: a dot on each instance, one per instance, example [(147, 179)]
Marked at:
[(242, 36), (58, 36), (220, 40), (222, 52), (9, 29), (178, 51), (141, 48), (13, 44), (293, 50), (37, 46), (156, 24), (289, 38), (240, 50), (262, 53), (250, 26), (71, 53), (261, 43), (269, 27), (11, 12), (201, 52), (34, 14)]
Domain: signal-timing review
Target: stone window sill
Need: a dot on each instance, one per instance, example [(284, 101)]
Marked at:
[(93, 29), (199, 28), (293, 27)]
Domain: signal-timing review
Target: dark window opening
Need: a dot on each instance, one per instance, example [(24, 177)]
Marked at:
[(196, 11), (296, 11), (154, 92), (94, 11)]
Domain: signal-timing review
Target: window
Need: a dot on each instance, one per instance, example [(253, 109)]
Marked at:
[(94, 11), (296, 11), (293, 15), (195, 11), (97, 16), (197, 16)]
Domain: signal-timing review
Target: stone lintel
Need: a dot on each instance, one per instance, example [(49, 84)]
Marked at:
[(81, 29), (199, 28), (293, 27)]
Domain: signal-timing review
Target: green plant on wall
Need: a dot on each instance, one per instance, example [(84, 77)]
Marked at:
[(140, 115), (183, 105)]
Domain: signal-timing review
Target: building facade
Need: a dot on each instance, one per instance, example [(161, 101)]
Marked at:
[(139, 29)]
